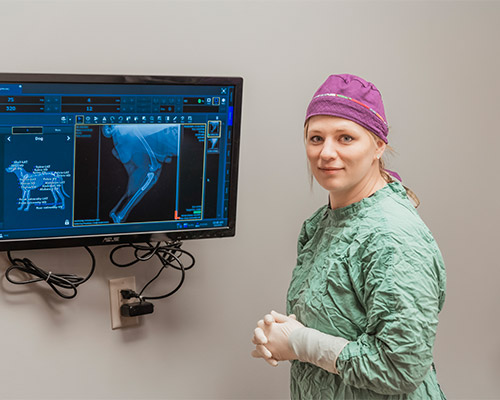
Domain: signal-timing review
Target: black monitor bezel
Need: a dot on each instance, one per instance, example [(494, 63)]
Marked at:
[(142, 237)]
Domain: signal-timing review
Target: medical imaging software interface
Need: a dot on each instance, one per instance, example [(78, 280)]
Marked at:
[(83, 159)]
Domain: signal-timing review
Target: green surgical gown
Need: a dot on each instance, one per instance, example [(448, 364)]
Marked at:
[(373, 274)]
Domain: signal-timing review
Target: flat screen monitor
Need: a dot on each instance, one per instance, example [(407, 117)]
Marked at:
[(102, 159)]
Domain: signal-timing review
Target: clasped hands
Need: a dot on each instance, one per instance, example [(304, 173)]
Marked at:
[(271, 338)]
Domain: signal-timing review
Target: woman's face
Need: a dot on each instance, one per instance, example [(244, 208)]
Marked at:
[(342, 154)]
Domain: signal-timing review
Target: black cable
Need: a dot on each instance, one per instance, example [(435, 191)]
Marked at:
[(169, 255), (55, 281), (166, 263)]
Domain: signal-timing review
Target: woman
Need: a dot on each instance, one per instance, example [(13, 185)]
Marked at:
[(370, 280)]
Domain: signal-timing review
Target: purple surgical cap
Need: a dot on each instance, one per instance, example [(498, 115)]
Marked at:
[(351, 97)]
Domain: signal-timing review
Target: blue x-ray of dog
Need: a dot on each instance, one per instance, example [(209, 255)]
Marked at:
[(142, 149), (42, 179)]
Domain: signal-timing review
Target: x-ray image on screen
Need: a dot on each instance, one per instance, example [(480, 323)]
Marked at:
[(125, 173), (139, 173), (142, 150)]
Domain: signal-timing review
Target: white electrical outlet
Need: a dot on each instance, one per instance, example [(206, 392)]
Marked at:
[(116, 300)]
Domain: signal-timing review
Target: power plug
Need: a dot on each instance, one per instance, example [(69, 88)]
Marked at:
[(137, 308), (116, 286)]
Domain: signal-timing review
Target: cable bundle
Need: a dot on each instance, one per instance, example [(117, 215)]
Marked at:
[(169, 255), (55, 281)]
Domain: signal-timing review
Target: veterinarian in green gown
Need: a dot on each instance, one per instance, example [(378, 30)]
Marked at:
[(369, 283)]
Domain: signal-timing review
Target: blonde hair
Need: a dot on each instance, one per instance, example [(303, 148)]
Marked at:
[(388, 178), (383, 172)]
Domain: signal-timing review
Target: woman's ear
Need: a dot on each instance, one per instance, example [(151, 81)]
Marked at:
[(380, 148)]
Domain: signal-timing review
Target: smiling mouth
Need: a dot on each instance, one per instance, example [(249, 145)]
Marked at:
[(330, 169)]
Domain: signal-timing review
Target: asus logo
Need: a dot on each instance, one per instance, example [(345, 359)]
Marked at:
[(111, 239)]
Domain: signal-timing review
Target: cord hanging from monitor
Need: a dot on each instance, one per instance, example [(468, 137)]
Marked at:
[(68, 282), (169, 254)]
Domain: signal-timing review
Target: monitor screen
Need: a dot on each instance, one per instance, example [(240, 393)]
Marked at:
[(100, 159)]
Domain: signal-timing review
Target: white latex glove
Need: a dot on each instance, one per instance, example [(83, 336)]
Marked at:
[(317, 348), (260, 340), (271, 337)]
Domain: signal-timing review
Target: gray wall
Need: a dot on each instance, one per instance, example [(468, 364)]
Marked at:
[(437, 66)]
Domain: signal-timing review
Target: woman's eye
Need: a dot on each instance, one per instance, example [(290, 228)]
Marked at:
[(315, 139), (346, 138)]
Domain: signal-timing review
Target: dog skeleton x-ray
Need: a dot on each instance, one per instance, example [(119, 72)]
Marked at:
[(142, 149)]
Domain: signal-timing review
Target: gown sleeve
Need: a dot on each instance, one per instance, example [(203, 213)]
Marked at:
[(403, 294)]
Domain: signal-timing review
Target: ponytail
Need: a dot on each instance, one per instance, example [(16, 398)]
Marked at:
[(388, 178)]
